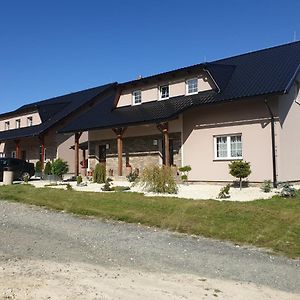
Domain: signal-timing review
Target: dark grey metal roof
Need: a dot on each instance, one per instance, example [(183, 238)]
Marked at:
[(53, 111), (263, 72)]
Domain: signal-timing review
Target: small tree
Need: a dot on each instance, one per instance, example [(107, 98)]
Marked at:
[(48, 168), (239, 169), (99, 174), (60, 167), (185, 172)]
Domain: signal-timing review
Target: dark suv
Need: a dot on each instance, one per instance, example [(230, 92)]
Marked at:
[(21, 168)]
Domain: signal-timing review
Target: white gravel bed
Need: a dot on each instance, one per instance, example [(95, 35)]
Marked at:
[(187, 191)]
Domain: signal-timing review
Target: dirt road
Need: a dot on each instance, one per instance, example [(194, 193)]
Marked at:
[(51, 255)]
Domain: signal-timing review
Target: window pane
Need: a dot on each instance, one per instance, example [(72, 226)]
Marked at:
[(222, 146), (137, 97), (164, 92), (192, 85), (236, 146)]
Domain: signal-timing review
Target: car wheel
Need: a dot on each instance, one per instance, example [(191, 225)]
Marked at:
[(25, 175)]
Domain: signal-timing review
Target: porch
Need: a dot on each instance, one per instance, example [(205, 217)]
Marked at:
[(125, 149)]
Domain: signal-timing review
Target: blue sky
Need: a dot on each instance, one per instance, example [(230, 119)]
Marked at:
[(50, 48)]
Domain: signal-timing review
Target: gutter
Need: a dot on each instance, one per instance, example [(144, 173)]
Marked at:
[(273, 143)]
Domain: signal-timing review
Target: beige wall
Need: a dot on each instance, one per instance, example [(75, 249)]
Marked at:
[(288, 141), (249, 118), (176, 88), (64, 142), (35, 118)]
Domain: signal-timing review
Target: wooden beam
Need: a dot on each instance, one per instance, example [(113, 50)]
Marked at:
[(119, 133), (77, 137), (164, 129), (17, 148), (42, 144)]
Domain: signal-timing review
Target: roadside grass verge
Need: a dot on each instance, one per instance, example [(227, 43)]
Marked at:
[(273, 223)]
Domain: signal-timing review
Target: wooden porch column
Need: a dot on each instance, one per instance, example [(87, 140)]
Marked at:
[(119, 132), (77, 137), (84, 161), (42, 142), (17, 148), (164, 129)]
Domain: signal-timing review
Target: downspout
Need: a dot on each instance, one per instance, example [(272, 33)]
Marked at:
[(273, 143)]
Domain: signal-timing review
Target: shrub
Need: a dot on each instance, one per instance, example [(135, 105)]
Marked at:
[(106, 187), (239, 169), (185, 172), (69, 187), (132, 177), (224, 192), (26, 179), (48, 168), (99, 175), (60, 167), (159, 180), (266, 186), (38, 167), (79, 179), (287, 191)]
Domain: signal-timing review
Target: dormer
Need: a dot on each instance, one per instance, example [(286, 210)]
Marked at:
[(165, 86)]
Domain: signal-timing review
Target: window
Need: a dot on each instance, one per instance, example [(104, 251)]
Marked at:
[(18, 123), (7, 125), (164, 92), (192, 86), (136, 97), (228, 147), (13, 154), (29, 121), (2, 154)]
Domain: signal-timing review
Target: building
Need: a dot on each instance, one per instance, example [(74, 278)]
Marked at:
[(206, 115), (242, 107), (30, 132)]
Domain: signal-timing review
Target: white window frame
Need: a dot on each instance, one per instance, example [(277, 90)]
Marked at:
[(187, 86), (7, 125), (14, 154), (133, 97), (228, 157), (160, 92), (29, 121), (18, 123)]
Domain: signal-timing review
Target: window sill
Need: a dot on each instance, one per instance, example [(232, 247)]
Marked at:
[(189, 94), (134, 104), (228, 159)]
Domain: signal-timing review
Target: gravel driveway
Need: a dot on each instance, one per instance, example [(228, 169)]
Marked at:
[(32, 238)]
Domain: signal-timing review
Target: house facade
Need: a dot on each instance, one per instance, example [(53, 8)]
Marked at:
[(240, 108), (31, 132), (244, 107)]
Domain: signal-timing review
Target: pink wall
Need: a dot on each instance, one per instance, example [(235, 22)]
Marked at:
[(249, 118), (288, 145)]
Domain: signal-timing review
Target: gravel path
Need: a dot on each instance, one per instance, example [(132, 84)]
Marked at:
[(33, 233)]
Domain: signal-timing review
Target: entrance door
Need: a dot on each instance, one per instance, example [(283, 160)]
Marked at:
[(102, 154)]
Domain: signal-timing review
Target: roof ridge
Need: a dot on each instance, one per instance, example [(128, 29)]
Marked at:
[(254, 51), (68, 94)]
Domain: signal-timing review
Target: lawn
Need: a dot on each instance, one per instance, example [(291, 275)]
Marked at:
[(273, 223)]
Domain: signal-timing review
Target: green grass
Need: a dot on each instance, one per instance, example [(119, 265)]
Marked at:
[(273, 223)]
